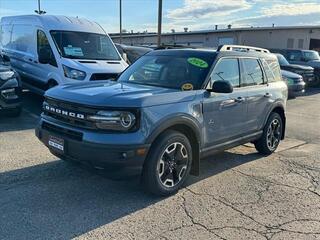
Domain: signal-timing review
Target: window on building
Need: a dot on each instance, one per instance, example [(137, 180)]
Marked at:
[(253, 74), (290, 43), (227, 70), (300, 43)]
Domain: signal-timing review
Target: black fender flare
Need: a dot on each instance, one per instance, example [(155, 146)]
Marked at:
[(184, 120)]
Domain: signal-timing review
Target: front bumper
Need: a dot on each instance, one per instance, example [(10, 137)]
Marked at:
[(297, 88), (12, 102), (96, 154)]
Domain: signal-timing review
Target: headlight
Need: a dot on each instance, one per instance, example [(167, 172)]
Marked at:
[(73, 73), (4, 76), (114, 120)]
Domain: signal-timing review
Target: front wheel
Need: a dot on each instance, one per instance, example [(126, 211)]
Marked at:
[(272, 134), (168, 164)]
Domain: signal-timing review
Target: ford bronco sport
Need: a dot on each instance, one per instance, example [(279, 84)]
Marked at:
[(167, 111)]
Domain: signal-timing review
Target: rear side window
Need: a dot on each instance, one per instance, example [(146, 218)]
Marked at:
[(253, 74), (22, 38), (5, 35), (274, 67), (227, 70)]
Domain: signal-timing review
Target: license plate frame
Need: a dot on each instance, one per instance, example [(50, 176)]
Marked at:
[(57, 144)]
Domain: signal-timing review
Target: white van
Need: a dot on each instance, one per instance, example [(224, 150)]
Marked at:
[(49, 50)]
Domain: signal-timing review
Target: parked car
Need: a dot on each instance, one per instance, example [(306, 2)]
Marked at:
[(303, 57), (50, 50), (295, 83), (131, 53), (167, 110), (10, 90), (305, 71)]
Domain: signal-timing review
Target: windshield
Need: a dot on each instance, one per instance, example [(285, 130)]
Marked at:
[(81, 45), (282, 60), (311, 55), (177, 72)]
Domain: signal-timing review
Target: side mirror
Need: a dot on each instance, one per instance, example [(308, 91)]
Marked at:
[(125, 57), (45, 55), (221, 87)]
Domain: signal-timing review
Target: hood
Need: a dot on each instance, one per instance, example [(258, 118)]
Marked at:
[(114, 94), (299, 67), (96, 66), (314, 63), (290, 74)]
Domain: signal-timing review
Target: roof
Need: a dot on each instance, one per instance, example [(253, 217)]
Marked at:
[(218, 31), (56, 22)]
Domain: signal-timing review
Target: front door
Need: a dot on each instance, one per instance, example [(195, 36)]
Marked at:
[(225, 114)]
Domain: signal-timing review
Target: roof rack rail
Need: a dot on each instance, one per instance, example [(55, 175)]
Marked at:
[(241, 48)]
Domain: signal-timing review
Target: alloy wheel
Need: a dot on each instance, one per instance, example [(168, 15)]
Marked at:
[(172, 165), (274, 134)]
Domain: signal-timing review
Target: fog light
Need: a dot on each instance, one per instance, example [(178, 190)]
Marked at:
[(9, 93)]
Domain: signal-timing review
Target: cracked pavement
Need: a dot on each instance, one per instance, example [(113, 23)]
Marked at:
[(239, 194)]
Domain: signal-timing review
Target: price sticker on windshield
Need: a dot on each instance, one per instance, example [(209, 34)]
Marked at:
[(198, 62)]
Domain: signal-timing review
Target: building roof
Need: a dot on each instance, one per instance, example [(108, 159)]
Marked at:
[(217, 31)]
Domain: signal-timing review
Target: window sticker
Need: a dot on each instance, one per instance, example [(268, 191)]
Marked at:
[(73, 51), (198, 62), (187, 87)]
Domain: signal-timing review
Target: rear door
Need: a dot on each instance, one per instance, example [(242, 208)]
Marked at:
[(255, 83), (225, 114)]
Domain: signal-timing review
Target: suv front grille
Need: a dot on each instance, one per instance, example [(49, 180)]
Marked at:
[(62, 131), (103, 76), (71, 114)]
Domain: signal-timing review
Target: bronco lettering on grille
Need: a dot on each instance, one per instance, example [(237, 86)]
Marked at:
[(59, 111)]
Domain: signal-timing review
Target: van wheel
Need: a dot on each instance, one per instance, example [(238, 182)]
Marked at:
[(271, 137), (168, 164)]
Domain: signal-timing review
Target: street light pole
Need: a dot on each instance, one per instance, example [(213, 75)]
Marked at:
[(159, 22), (120, 1)]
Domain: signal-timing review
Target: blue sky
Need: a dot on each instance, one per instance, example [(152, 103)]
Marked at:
[(141, 15)]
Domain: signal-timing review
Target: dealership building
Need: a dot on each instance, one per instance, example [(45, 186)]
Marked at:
[(299, 37)]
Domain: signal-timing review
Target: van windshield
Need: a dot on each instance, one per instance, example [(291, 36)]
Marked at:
[(83, 45)]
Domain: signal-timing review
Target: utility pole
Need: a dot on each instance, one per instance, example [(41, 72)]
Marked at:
[(159, 22), (39, 11), (120, 2)]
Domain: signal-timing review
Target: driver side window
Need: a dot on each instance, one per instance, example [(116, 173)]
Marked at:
[(43, 44), (227, 69)]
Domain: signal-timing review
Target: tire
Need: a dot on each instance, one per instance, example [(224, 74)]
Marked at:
[(14, 112), (272, 134), (168, 164)]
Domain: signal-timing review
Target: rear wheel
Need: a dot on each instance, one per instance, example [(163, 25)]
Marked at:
[(272, 134), (168, 164)]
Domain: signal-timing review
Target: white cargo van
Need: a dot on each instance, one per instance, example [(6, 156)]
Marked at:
[(49, 50)]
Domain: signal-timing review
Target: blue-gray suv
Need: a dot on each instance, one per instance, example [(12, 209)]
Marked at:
[(167, 111)]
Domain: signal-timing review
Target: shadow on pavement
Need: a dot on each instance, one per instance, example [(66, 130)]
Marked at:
[(61, 200)]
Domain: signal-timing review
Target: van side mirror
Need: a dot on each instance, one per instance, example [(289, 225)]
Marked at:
[(125, 57), (221, 87), (45, 55)]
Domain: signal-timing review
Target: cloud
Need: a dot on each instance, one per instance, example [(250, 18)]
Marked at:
[(207, 8), (292, 9), (285, 14)]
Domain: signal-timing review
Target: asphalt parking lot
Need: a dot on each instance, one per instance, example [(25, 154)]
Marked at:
[(239, 194)]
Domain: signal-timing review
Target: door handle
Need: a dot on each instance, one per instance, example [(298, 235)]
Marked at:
[(268, 95)]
